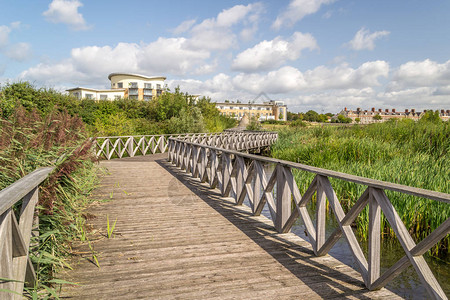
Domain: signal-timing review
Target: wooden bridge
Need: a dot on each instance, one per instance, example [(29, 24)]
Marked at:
[(182, 231)]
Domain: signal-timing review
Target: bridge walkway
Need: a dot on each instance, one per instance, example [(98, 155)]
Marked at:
[(177, 239)]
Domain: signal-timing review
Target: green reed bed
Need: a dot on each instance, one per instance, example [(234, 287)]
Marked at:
[(29, 140), (405, 152)]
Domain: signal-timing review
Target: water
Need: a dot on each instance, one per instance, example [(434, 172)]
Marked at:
[(406, 285)]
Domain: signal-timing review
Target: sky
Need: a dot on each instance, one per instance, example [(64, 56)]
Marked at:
[(313, 54)]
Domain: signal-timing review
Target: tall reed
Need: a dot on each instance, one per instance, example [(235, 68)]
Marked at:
[(405, 152)]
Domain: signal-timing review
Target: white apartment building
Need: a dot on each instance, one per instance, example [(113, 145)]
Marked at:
[(269, 110), (124, 85)]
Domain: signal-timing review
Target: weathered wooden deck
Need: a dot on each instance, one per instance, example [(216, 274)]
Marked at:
[(177, 239)]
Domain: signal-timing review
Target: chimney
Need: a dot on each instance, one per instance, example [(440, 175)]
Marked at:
[(358, 109), (380, 110), (413, 110), (406, 110), (442, 111), (386, 110), (448, 111), (393, 110), (345, 108), (373, 109)]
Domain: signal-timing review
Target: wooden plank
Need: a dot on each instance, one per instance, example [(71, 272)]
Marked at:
[(374, 240), (16, 191), (320, 218), (217, 250), (283, 204)]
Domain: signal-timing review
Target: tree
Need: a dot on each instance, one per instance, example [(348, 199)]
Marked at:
[(357, 120), (311, 116), (430, 116), (377, 117)]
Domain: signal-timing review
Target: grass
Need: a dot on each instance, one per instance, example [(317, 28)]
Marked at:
[(408, 153), (110, 228)]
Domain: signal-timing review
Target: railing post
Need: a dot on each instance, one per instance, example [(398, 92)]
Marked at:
[(320, 218), (283, 200), (130, 146), (374, 239)]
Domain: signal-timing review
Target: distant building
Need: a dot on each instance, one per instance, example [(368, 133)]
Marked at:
[(270, 110), (367, 116), (124, 85)]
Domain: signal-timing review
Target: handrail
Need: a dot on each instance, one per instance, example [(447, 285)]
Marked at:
[(227, 170), (123, 146), (15, 234)]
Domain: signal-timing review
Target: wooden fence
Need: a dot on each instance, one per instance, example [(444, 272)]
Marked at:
[(242, 176), (16, 226), (130, 146)]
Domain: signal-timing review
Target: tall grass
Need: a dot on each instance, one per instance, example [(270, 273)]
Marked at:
[(29, 141), (405, 152)]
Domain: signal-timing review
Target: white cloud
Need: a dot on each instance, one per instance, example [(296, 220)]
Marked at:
[(364, 40), (184, 26), (271, 54), (297, 10), (170, 56), (425, 73), (4, 35), (357, 84), (216, 33), (19, 51), (66, 12)]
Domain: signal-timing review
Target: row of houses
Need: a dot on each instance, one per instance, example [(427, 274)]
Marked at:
[(381, 115)]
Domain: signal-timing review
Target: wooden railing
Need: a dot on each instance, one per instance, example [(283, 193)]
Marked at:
[(242, 176), (130, 146), (16, 226)]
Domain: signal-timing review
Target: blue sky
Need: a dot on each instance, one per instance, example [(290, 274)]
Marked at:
[(313, 54)]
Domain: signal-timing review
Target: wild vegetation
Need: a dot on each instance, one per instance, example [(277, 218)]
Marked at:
[(162, 115), (405, 152), (28, 141), (42, 127)]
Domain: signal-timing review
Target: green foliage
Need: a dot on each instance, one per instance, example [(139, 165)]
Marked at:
[(297, 123), (118, 117), (29, 140), (431, 117), (343, 119), (189, 120), (254, 124), (405, 152), (377, 117)]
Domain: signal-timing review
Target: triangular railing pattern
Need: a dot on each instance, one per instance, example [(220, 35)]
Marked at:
[(242, 176), (130, 146)]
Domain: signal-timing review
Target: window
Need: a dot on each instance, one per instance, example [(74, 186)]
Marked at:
[(76, 95), (158, 86), (134, 97), (133, 85), (117, 97), (133, 92), (147, 98), (89, 96), (147, 85), (103, 97), (148, 92), (114, 84), (120, 85)]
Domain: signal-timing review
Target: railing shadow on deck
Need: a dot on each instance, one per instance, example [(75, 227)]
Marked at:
[(228, 171), (286, 252)]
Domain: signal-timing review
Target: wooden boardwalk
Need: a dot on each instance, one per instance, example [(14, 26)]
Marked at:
[(177, 239)]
